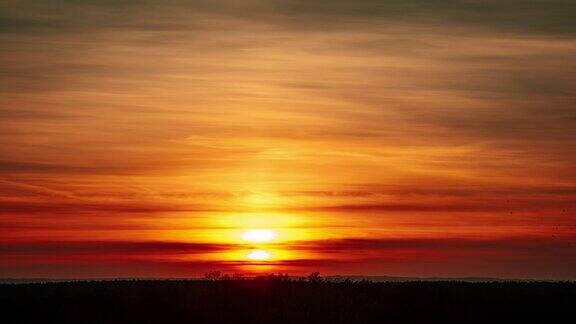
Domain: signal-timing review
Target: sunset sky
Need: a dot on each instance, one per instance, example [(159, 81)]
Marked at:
[(375, 137)]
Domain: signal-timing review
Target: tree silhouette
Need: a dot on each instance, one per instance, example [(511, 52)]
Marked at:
[(314, 277), (212, 275)]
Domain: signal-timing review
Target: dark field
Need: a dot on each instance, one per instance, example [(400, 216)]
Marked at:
[(281, 301)]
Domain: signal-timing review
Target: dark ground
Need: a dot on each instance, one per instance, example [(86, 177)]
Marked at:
[(279, 301)]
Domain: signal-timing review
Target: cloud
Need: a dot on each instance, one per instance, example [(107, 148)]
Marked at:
[(90, 207), (546, 17), (117, 248), (512, 257), (505, 245), (456, 207)]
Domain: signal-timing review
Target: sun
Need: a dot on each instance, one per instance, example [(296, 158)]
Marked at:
[(258, 255), (259, 236)]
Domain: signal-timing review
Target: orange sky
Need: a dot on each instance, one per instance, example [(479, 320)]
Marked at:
[(143, 139)]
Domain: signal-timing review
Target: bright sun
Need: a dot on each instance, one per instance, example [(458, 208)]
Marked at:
[(258, 255), (259, 235)]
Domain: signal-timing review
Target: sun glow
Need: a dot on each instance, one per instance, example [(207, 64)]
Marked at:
[(258, 255), (259, 236)]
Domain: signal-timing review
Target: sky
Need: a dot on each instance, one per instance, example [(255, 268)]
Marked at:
[(400, 137)]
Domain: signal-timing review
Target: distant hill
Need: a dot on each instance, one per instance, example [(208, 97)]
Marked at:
[(400, 279), (334, 278)]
